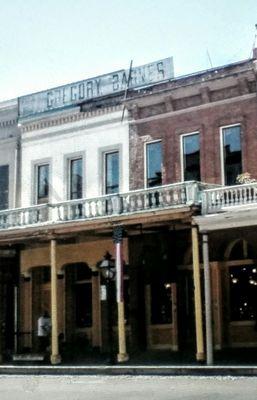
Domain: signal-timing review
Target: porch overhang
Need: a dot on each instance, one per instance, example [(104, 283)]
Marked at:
[(66, 229), (235, 217)]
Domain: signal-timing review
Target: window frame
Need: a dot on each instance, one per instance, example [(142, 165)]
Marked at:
[(104, 161), (8, 185), (37, 182), (222, 161), (34, 192), (182, 153), (146, 160), (69, 161)]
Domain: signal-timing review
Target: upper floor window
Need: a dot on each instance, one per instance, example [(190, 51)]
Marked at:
[(232, 154), (112, 174), (42, 183), (154, 164), (4, 187), (76, 179), (191, 157)]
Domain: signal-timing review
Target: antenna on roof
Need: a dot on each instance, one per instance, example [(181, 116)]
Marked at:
[(127, 88), (209, 58), (254, 41)]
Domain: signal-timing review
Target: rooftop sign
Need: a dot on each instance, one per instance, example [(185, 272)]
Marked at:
[(79, 92)]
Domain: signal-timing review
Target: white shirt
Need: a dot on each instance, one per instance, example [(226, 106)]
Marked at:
[(43, 326)]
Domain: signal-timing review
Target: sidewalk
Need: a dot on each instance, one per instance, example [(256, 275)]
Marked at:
[(241, 362)]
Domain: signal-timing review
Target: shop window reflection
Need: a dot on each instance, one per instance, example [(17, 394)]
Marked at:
[(243, 293)]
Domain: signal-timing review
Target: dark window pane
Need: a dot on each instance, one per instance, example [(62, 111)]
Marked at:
[(4, 187), (76, 179), (112, 173), (243, 293), (232, 154), (43, 183), (83, 297), (191, 155), (161, 306), (154, 164)]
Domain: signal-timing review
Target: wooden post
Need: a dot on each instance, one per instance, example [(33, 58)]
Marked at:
[(55, 356), (208, 310), (117, 236), (200, 356)]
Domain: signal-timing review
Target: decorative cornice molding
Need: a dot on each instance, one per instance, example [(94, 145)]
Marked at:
[(194, 108), (28, 126)]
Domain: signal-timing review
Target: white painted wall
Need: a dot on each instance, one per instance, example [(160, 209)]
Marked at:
[(90, 137), (8, 143)]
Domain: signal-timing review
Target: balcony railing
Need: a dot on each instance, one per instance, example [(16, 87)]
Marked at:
[(221, 198), (138, 201)]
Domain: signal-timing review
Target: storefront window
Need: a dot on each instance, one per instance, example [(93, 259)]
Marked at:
[(243, 293), (161, 303)]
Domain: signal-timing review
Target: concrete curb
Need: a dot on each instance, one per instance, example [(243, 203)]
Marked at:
[(130, 370)]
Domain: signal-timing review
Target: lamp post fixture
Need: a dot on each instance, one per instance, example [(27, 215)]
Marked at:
[(107, 270)]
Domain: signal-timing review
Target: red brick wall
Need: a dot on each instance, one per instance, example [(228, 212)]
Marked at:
[(207, 121)]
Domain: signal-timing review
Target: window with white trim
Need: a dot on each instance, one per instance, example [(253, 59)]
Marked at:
[(154, 164), (191, 157), (76, 178), (112, 172), (42, 172), (232, 153)]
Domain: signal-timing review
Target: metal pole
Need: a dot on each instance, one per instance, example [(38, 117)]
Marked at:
[(200, 356), (208, 310), (122, 355), (55, 356)]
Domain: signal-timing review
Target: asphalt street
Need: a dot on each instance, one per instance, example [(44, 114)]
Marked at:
[(126, 387)]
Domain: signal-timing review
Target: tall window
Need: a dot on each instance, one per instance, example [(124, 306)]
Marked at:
[(76, 179), (154, 164), (191, 157), (232, 154), (112, 174), (4, 187), (42, 183), (243, 293)]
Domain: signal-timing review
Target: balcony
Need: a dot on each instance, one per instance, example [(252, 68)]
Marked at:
[(123, 204), (227, 198)]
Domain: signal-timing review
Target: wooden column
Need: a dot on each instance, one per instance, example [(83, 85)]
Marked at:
[(55, 356), (117, 236), (208, 308), (200, 356)]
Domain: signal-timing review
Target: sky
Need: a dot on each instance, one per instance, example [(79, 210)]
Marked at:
[(46, 43)]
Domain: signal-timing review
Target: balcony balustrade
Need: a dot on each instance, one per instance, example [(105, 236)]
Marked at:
[(138, 201), (224, 197)]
